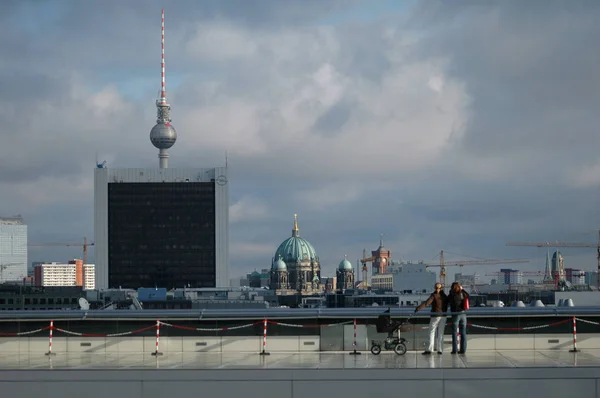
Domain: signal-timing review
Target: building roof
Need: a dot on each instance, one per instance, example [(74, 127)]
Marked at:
[(279, 265), (295, 248), (345, 265)]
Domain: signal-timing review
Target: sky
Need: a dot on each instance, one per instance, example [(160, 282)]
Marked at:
[(455, 126)]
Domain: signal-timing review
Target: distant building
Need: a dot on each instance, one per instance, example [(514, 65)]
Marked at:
[(13, 249), (380, 259), (512, 276), (591, 278), (345, 275), (558, 266), (466, 280), (404, 277), (295, 267), (31, 298), (575, 276), (330, 284), (75, 273)]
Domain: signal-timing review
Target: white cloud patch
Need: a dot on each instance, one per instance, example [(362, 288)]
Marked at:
[(586, 177), (248, 209), (304, 110)]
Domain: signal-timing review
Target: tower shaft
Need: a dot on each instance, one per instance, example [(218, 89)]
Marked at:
[(163, 158)]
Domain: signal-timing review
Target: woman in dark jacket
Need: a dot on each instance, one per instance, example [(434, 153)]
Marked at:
[(457, 301), (439, 305)]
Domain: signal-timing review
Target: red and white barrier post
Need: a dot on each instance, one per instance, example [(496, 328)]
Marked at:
[(574, 336), (49, 353), (264, 350), (354, 352), (156, 353)]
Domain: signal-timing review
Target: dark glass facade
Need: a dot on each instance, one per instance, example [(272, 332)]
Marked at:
[(161, 235)]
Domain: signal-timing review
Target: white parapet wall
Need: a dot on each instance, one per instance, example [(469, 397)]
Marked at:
[(557, 382), (225, 344)]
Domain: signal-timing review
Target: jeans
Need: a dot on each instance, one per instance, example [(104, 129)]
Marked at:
[(436, 324), (459, 324)]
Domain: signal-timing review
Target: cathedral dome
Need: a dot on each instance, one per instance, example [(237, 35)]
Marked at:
[(345, 265), (296, 249), (279, 265)]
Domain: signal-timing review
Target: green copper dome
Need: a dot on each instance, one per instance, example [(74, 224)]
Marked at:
[(279, 265), (295, 248), (345, 265)]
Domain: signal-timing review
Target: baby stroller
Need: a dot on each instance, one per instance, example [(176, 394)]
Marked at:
[(393, 340)]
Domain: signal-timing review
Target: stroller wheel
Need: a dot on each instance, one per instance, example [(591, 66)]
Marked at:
[(375, 349), (400, 349)]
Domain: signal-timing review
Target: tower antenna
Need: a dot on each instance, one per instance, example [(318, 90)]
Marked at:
[(163, 135), (163, 86)]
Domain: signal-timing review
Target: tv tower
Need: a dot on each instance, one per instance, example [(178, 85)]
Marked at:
[(163, 134)]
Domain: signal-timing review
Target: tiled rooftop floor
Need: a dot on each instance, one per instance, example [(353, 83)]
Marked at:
[(317, 360)]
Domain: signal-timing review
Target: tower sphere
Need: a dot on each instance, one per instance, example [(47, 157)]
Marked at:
[(163, 135)]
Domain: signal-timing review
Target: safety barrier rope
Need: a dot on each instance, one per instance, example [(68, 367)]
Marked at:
[(586, 321), (223, 329), (70, 332), (309, 326), (15, 334), (520, 328)]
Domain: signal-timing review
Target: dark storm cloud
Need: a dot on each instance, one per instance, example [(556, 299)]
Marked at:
[(335, 118), (531, 67)]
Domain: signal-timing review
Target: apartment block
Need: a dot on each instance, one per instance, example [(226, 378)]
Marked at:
[(74, 273)]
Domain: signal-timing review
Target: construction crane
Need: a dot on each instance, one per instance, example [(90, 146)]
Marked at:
[(84, 245), (364, 260), (3, 267), (564, 244), (443, 264)]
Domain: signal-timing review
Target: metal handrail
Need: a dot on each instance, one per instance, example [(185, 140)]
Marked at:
[(288, 313)]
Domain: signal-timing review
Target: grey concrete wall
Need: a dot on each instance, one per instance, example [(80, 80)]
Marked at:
[(304, 383), (339, 338)]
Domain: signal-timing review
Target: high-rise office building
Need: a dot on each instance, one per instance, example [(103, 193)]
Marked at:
[(13, 249), (161, 227)]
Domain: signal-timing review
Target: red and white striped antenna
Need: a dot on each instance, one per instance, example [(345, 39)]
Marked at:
[(163, 135), (163, 89), (163, 111)]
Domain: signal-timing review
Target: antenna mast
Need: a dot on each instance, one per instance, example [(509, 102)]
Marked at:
[(163, 87), (163, 135)]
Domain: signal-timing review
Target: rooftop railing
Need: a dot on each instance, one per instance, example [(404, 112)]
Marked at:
[(290, 313), (339, 329)]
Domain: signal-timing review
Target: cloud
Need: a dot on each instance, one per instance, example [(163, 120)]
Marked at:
[(588, 176), (247, 209), (329, 195), (264, 251), (300, 92), (533, 79), (454, 127)]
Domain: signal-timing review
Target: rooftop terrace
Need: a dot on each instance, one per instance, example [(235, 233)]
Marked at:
[(512, 352)]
